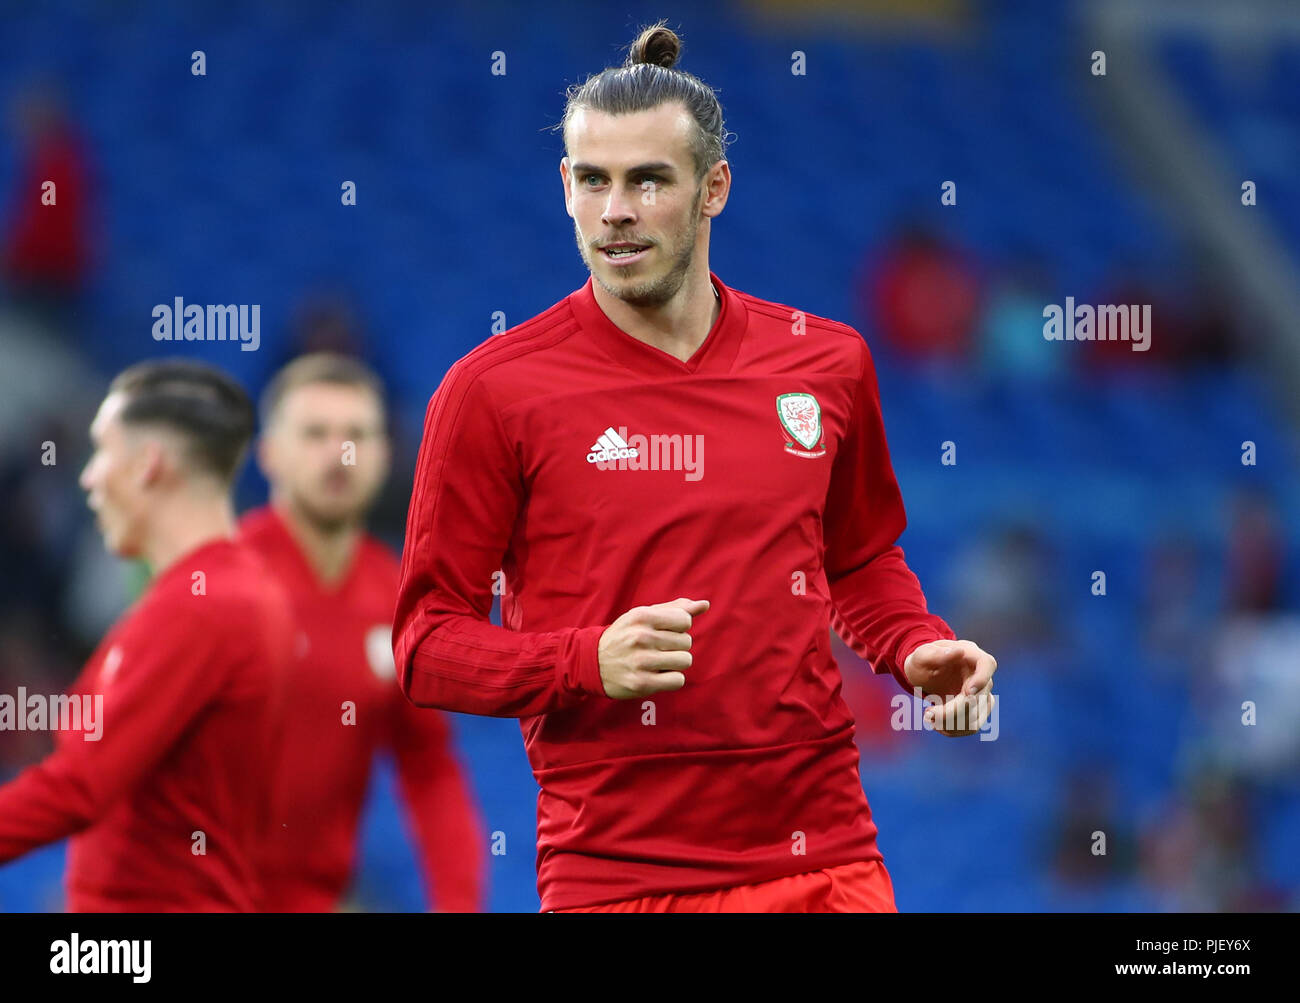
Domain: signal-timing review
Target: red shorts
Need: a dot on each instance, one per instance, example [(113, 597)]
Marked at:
[(860, 887)]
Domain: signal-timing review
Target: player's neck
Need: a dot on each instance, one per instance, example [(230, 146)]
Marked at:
[(329, 550), (678, 327), (183, 525)]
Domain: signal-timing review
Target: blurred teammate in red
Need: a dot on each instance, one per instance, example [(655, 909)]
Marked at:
[(325, 452), (684, 486), (166, 795)]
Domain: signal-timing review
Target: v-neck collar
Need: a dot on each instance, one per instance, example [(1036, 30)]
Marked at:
[(305, 568), (716, 354)]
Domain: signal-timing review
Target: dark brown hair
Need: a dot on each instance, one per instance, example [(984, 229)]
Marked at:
[(647, 79), (318, 367), (206, 406)]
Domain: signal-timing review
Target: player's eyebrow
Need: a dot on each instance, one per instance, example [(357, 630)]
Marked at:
[(658, 165)]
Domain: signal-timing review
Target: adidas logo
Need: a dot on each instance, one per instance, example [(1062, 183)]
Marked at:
[(610, 446)]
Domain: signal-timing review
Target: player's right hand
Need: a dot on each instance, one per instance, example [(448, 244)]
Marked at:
[(647, 649)]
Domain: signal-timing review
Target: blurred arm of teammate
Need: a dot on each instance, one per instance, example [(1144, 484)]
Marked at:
[(467, 494), (878, 607), (170, 669), (448, 829)]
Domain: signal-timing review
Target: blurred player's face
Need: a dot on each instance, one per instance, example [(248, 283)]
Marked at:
[(122, 465), (631, 179), (326, 453)]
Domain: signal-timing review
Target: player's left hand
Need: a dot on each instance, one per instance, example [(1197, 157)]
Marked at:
[(962, 674)]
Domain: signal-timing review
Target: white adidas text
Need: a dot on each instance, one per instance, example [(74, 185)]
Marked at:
[(616, 450)]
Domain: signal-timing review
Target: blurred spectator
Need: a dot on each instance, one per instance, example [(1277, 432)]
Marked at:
[(1250, 700), (1175, 609), (1256, 553), (41, 507), (1087, 806), (1191, 322), (1130, 285), (99, 587), (46, 247), (924, 296), (1011, 332), (28, 659), (1211, 326), (1198, 855), (324, 321), (1003, 585)]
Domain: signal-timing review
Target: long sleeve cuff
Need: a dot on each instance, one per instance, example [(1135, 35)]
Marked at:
[(909, 643), (586, 678)]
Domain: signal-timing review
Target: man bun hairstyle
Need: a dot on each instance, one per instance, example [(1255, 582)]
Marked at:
[(657, 45), (207, 407), (647, 79)]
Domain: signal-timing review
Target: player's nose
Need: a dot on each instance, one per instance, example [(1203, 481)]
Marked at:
[(619, 210)]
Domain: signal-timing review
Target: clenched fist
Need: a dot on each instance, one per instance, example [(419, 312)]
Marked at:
[(647, 649)]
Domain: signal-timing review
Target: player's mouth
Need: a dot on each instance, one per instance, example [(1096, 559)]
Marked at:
[(624, 254)]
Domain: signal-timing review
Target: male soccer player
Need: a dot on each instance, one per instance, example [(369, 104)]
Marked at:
[(324, 451), (166, 796), (683, 486)]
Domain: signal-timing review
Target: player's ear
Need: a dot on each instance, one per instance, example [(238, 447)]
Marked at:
[(717, 186), (265, 452), (152, 461), (568, 192)]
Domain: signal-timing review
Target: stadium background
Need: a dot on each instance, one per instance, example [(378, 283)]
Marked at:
[(1120, 713)]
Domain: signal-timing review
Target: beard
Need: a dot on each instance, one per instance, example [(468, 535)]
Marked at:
[(327, 520), (655, 291)]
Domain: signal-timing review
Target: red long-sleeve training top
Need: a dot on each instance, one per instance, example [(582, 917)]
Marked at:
[(168, 807), (346, 707), (599, 473)]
